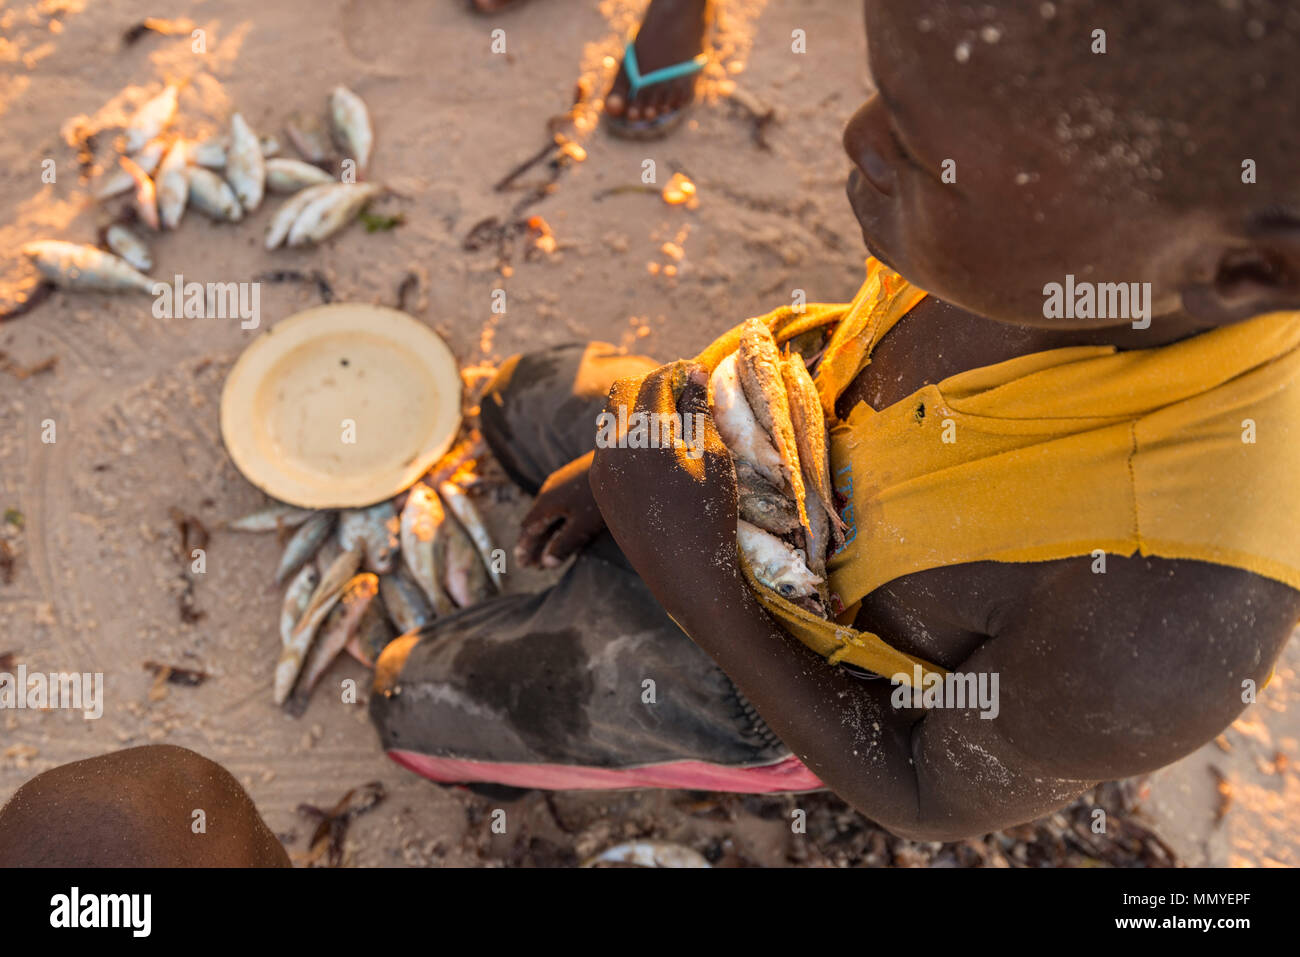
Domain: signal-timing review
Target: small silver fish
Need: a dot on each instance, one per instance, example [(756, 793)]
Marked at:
[(328, 213), (309, 137), (322, 603), (285, 175), (129, 246), (288, 213), (212, 196), (762, 503), (304, 544), (650, 854), (118, 181), (736, 424), (146, 195), (375, 530), (404, 600), (75, 266), (818, 547), (810, 437), (759, 365), (338, 628), (468, 515), (151, 119), (113, 183), (211, 153), (272, 518), (173, 184), (465, 576), (329, 550), (245, 166), (372, 635), (775, 564), (296, 598), (352, 130), (423, 547)]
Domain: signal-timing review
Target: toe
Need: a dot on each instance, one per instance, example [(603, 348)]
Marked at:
[(683, 92), (616, 101), (671, 98), (663, 102), (650, 103)]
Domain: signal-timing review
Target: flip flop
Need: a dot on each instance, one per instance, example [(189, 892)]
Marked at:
[(637, 81)]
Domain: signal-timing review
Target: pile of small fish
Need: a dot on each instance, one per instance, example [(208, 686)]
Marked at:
[(224, 178), (768, 413), (401, 563)]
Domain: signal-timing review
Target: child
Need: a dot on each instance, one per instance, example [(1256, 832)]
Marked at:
[(1087, 501)]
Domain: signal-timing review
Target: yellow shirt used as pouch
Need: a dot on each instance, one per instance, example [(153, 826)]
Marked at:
[(1190, 450)]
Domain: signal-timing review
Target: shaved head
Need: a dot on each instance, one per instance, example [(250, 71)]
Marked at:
[(1012, 143), (1184, 92)]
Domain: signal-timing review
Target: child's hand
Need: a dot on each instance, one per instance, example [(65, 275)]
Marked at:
[(672, 507), (564, 517)]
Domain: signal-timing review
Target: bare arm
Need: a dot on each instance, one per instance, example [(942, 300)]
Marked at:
[(1099, 676)]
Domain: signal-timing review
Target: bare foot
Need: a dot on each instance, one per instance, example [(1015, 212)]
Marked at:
[(672, 32)]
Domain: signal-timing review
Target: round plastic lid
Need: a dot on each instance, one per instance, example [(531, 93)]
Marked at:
[(341, 406)]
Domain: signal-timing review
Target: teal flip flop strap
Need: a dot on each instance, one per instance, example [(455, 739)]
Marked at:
[(637, 81)]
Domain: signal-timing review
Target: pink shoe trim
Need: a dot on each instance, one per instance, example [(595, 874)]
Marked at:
[(789, 774)]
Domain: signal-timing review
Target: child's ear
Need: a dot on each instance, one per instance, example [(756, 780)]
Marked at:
[(1259, 276)]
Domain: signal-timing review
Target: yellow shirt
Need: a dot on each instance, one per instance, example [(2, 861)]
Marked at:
[(1184, 451)]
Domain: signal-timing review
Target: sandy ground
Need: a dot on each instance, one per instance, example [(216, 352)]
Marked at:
[(134, 398)]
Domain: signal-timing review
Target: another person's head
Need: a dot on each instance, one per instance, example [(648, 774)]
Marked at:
[(1111, 140), (153, 806)]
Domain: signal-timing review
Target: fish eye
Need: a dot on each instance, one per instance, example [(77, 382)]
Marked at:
[(785, 590)]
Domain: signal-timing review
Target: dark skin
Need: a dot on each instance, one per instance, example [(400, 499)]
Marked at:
[(135, 808), (671, 31), (1102, 676)]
